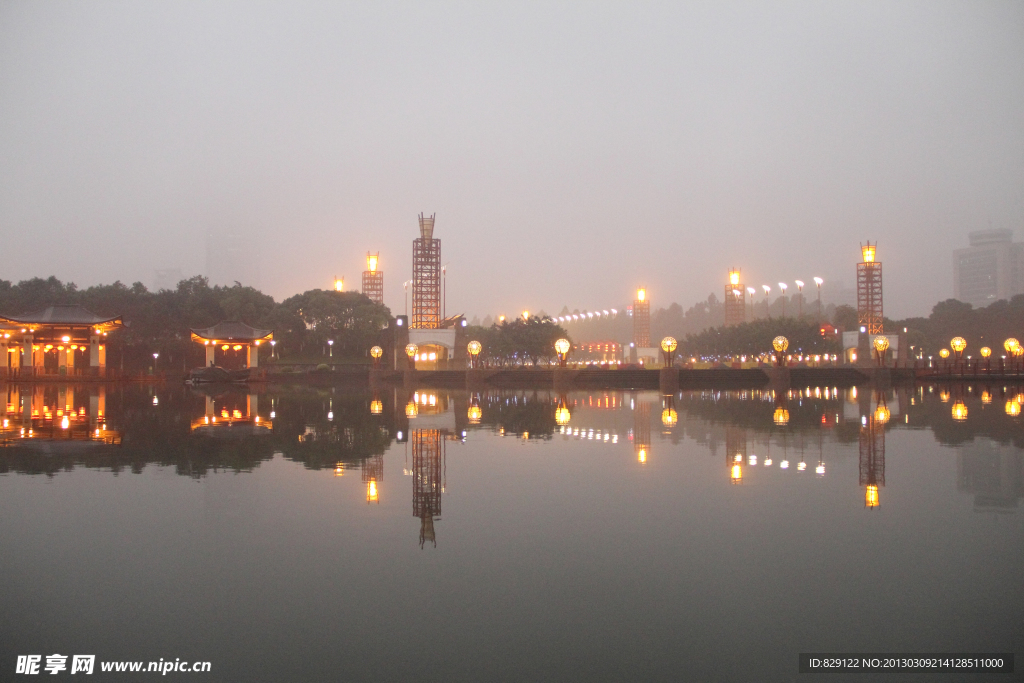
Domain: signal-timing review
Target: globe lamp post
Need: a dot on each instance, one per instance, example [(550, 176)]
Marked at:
[(474, 347), (881, 344), (780, 344), (410, 351), (562, 347), (376, 352), (668, 346)]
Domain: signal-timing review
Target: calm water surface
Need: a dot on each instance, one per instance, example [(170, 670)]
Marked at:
[(313, 535)]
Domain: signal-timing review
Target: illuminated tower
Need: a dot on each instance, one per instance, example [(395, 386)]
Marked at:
[(426, 277), (427, 456), (339, 284), (872, 453), (373, 279), (373, 474), (735, 300), (641, 320), (641, 430), (869, 290)]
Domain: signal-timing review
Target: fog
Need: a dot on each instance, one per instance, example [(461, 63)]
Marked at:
[(570, 152)]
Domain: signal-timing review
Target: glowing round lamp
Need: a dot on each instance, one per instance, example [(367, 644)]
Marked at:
[(669, 417), (959, 410), (944, 353), (780, 344), (958, 344), (669, 344), (411, 349), (376, 352), (985, 352), (562, 346), (881, 343), (1010, 344)]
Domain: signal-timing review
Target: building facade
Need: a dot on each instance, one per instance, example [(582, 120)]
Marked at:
[(991, 268)]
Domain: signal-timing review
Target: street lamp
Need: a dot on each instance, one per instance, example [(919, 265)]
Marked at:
[(376, 352), (155, 356), (410, 350), (881, 344), (751, 291), (780, 344), (985, 353), (273, 343), (818, 282), (474, 347), (668, 345), (330, 345), (562, 347), (800, 290), (783, 286), (767, 291), (958, 344)]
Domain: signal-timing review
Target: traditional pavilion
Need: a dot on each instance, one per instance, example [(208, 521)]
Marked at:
[(232, 336), (62, 339)]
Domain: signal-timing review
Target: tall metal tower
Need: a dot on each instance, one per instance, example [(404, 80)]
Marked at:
[(872, 454), (641, 320), (373, 279), (735, 300), (427, 457), (869, 290), (372, 475), (426, 277)]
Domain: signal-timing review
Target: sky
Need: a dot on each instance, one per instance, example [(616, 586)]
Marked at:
[(570, 151)]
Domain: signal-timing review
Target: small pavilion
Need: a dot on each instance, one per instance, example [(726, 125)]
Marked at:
[(232, 335), (68, 335)]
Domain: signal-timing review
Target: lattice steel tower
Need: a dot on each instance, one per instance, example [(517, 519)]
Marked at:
[(872, 455), (373, 475), (869, 290), (735, 300), (373, 279), (426, 277), (427, 459), (641, 320), (641, 430)]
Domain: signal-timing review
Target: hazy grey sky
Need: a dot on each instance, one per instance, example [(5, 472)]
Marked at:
[(570, 151)]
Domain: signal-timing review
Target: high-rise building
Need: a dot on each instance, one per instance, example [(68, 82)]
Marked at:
[(991, 268), (641, 320)]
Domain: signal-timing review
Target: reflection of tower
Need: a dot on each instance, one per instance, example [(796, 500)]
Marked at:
[(427, 455), (735, 300), (373, 474), (872, 454), (426, 277), (869, 290), (642, 431), (735, 452), (641, 320), (373, 280)]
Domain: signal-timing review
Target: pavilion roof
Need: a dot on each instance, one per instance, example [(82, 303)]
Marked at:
[(64, 315), (232, 330)]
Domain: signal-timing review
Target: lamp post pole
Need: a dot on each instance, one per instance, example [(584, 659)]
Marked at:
[(330, 346), (444, 292), (155, 356), (800, 290)]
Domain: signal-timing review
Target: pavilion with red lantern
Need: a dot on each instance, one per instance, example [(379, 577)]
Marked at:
[(232, 337)]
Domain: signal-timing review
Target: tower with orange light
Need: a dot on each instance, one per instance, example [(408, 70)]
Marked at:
[(869, 290), (373, 475), (426, 277), (373, 279), (872, 452), (735, 299), (641, 320)]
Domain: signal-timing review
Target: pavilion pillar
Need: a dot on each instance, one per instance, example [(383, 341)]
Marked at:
[(210, 351), (15, 355), (252, 405), (5, 359), (71, 358), (62, 361), (252, 356), (209, 406), (94, 351)]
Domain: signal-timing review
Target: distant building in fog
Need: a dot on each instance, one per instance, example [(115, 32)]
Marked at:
[(167, 278), (994, 473), (992, 268), (232, 257)]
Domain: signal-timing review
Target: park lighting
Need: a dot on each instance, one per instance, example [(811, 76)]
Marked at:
[(958, 344), (734, 277), (339, 284), (526, 315), (330, 345), (780, 344), (943, 353), (562, 347), (882, 414), (474, 347), (376, 352), (767, 289), (669, 417), (985, 352), (1012, 408), (881, 344), (868, 253), (783, 286), (959, 410), (641, 294), (1010, 344), (376, 407), (475, 413), (411, 409), (562, 414), (668, 345), (781, 416), (871, 496), (371, 262), (800, 289), (411, 351)]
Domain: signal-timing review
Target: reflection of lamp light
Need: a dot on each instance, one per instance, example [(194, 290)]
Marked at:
[(562, 414), (986, 396), (641, 455), (476, 413), (781, 416), (736, 474), (1012, 408), (411, 409), (959, 410), (882, 414), (669, 417), (944, 395), (871, 496), (376, 406), (371, 492)]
